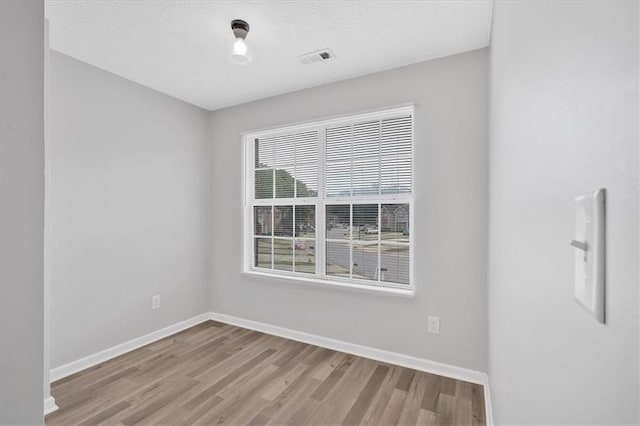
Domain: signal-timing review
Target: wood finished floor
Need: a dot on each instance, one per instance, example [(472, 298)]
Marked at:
[(215, 373)]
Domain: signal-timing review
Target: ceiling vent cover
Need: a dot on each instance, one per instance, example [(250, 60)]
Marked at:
[(317, 56)]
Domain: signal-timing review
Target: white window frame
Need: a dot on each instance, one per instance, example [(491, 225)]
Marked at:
[(320, 277)]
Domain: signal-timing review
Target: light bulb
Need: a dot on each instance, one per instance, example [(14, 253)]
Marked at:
[(240, 47), (240, 54)]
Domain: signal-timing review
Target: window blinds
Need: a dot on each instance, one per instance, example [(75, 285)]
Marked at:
[(369, 158)]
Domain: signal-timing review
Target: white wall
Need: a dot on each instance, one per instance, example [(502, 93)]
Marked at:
[(21, 211), (451, 179), (130, 190), (564, 121)]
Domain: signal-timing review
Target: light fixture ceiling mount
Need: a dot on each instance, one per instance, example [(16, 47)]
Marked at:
[(240, 53)]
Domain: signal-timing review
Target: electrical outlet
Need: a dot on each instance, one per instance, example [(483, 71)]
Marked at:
[(155, 302), (433, 325)]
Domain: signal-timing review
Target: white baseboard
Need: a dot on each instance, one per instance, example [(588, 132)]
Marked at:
[(359, 350), (49, 405), (408, 361), (94, 359), (488, 406)]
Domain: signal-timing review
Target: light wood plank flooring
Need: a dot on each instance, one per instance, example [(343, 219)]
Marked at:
[(215, 373)]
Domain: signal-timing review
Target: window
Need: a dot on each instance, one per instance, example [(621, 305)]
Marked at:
[(332, 200)]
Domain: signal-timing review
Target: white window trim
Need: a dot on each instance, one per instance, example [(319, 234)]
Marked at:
[(319, 278)]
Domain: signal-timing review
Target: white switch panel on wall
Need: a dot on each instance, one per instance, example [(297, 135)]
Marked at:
[(589, 246)]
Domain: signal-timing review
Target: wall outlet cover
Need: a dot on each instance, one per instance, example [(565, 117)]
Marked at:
[(433, 325), (155, 302)]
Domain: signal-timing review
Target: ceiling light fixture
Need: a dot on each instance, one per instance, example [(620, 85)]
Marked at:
[(240, 53)]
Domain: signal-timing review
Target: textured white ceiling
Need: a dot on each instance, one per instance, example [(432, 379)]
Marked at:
[(182, 48)]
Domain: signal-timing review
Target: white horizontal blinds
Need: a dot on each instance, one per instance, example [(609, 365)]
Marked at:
[(395, 155), (286, 168), (307, 147), (363, 204), (287, 165), (264, 153), (285, 146), (338, 161), (366, 158), (264, 168), (366, 240), (369, 158), (307, 153)]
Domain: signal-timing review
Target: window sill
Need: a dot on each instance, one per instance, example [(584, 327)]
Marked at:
[(409, 292)]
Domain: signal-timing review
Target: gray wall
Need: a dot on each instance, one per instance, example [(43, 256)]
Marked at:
[(130, 191), (21, 211), (564, 121), (451, 180)]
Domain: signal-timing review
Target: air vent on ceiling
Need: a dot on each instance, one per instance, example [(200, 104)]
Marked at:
[(317, 56)]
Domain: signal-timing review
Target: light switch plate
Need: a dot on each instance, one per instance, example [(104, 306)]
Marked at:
[(589, 256)]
